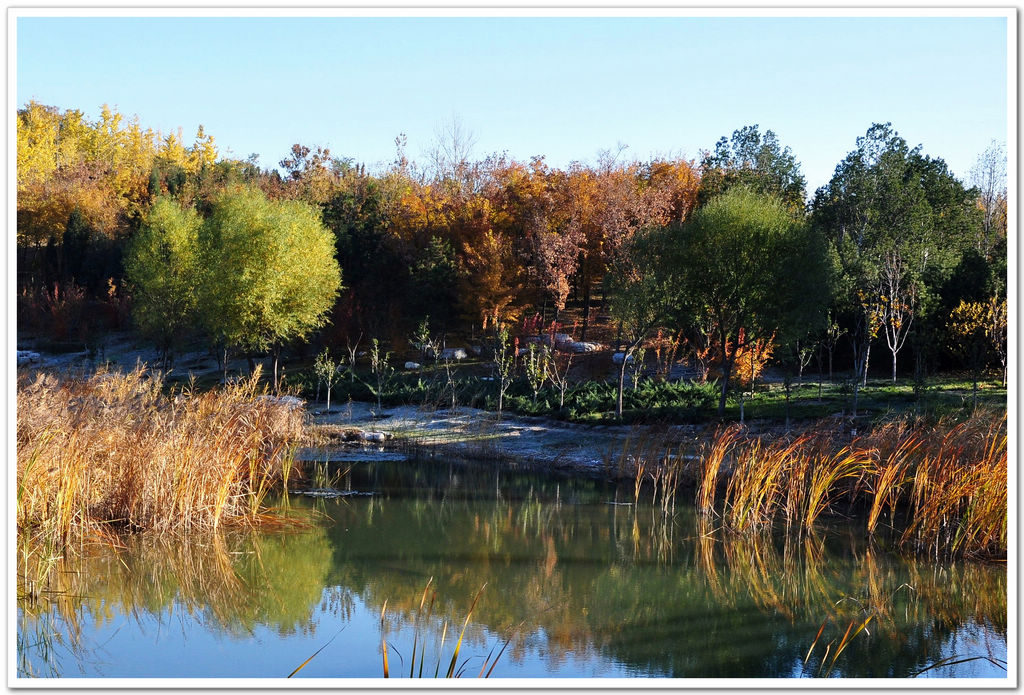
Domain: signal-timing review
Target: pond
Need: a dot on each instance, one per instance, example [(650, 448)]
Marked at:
[(572, 580)]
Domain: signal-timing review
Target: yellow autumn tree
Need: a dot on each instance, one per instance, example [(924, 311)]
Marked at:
[(969, 331)]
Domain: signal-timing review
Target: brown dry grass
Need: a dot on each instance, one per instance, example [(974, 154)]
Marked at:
[(112, 449), (949, 478)]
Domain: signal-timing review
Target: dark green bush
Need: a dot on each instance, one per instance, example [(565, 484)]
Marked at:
[(590, 401)]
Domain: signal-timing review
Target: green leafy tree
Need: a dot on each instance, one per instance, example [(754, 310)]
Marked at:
[(887, 200), (746, 266), (162, 267), (368, 253), (269, 275), (642, 293), (756, 161), (433, 283)]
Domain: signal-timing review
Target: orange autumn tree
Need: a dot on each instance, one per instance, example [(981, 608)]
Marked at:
[(491, 282), (751, 357), (672, 186)]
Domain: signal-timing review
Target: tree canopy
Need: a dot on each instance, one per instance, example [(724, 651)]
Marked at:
[(163, 268), (269, 275), (756, 161), (745, 264), (898, 223), (471, 242)]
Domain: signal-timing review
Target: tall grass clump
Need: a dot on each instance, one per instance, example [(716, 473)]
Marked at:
[(712, 463), (112, 449), (958, 494), (942, 483)]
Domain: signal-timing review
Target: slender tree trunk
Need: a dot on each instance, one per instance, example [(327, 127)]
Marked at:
[(860, 367), (726, 373), (787, 404), (867, 359), (277, 358), (894, 366), (622, 375), (622, 382), (586, 309)]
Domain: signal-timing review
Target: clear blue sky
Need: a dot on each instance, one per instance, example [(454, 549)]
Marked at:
[(560, 87)]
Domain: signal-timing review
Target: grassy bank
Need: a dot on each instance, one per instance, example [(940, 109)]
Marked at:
[(114, 449)]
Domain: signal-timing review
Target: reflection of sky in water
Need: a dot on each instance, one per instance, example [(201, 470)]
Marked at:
[(971, 640), (124, 647), (187, 646), (601, 590)]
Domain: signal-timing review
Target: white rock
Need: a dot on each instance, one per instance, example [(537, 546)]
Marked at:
[(558, 339), (453, 354), (580, 347), (617, 358), (412, 365), (373, 436), (28, 357)]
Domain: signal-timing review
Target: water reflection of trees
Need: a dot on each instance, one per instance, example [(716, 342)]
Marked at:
[(571, 572), (234, 582), (661, 596)]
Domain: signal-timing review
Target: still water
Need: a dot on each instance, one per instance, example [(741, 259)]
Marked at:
[(576, 580)]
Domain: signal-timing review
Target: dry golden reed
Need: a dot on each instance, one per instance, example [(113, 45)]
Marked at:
[(948, 479), (113, 449)]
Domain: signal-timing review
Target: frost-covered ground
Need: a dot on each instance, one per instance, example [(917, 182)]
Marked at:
[(478, 433), (468, 432)]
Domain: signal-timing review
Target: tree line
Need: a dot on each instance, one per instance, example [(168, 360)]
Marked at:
[(726, 255)]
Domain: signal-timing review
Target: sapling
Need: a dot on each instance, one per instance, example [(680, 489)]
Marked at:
[(665, 350), (450, 375), (427, 346), (422, 341), (536, 368), (831, 336), (504, 362), (352, 347), (559, 364), (380, 369), (327, 373)]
